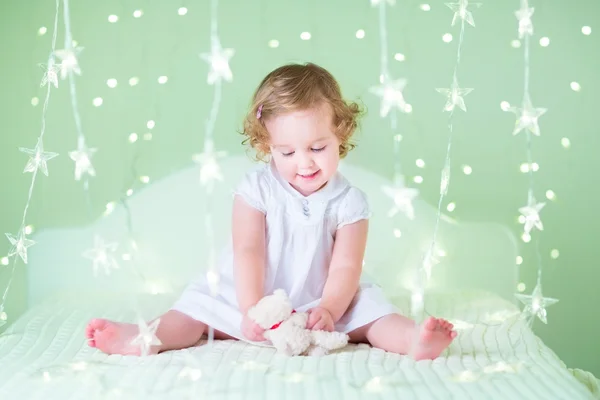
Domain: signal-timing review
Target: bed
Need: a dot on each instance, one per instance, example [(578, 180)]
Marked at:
[(44, 355)]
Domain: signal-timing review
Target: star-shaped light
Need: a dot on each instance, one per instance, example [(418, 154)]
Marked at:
[(531, 212), (391, 95), (38, 158), (524, 15), (102, 256), (19, 243), (461, 11), (82, 157), (527, 116), (454, 96), (403, 198), (210, 171), (50, 73), (377, 2), (429, 261), (69, 61), (146, 336), (536, 303), (218, 58)]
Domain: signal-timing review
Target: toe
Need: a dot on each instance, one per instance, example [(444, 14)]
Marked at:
[(430, 324), (97, 324), (89, 332), (92, 343)]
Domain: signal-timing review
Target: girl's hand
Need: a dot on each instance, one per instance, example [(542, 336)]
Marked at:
[(320, 319), (252, 330)]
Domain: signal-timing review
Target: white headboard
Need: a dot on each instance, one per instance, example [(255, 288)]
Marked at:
[(168, 219)]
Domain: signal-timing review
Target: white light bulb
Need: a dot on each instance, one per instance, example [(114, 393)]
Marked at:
[(144, 179), (515, 44), (182, 11), (35, 101), (150, 124), (524, 168), (418, 179), (129, 192), (134, 81), (467, 170), (576, 87), (98, 101), (111, 83), (399, 57), (397, 233), (565, 142), (42, 31), (4, 261), (273, 43), (586, 30), (305, 36), (451, 207), (162, 80), (554, 253), (544, 42), (137, 13), (109, 208), (420, 163), (447, 37), (425, 7), (521, 287), (526, 237), (550, 195), (535, 167), (521, 219), (360, 34), (519, 260), (505, 106), (133, 138), (29, 229), (113, 18)]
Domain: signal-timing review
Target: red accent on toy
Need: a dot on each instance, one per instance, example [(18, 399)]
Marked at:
[(279, 323)]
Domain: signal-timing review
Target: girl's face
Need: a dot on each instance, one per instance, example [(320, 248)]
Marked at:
[(304, 148)]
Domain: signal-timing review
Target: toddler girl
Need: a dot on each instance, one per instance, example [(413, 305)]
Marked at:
[(297, 224)]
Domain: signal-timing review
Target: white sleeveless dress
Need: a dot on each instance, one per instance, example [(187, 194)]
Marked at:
[(299, 238)]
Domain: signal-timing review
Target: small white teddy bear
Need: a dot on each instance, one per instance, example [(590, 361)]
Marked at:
[(286, 328)]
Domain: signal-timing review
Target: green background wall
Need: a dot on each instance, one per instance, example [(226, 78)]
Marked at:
[(163, 43)]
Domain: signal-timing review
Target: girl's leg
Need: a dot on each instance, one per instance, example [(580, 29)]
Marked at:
[(398, 334), (175, 331)]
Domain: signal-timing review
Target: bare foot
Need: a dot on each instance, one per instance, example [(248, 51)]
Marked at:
[(114, 337), (435, 336)]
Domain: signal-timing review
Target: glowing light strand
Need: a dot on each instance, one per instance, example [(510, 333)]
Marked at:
[(527, 120), (392, 100), (210, 172), (70, 66), (38, 158), (454, 100)]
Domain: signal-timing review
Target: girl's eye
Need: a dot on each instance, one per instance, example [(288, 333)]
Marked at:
[(318, 150), (287, 154)]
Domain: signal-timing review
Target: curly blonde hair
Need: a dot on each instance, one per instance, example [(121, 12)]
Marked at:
[(295, 87)]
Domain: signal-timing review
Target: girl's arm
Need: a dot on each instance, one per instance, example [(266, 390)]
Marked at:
[(345, 268), (248, 234)]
